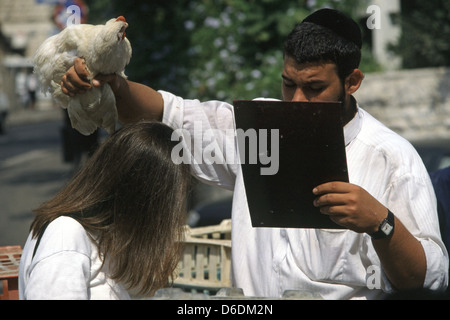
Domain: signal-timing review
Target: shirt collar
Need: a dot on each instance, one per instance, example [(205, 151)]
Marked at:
[(353, 127)]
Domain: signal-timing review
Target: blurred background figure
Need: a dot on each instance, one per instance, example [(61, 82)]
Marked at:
[(441, 184), (32, 87), (4, 107), (21, 89), (76, 148)]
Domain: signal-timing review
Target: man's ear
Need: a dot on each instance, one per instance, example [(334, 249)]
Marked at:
[(353, 81)]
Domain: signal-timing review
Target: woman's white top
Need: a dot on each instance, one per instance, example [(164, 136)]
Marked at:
[(66, 266)]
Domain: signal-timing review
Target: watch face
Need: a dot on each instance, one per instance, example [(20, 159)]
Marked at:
[(386, 228)]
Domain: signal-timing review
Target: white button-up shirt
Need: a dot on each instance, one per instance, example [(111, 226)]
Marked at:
[(337, 264)]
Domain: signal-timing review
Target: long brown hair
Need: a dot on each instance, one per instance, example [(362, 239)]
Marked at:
[(130, 198)]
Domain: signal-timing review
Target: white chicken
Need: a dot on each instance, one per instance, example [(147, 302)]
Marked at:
[(105, 50)]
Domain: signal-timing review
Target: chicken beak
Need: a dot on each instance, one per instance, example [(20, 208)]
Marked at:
[(122, 30)]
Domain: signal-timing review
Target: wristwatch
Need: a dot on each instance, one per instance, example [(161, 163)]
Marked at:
[(386, 227)]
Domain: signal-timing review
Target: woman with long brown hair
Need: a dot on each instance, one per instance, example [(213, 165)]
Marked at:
[(117, 226)]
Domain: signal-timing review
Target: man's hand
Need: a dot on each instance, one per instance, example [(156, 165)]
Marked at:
[(76, 80), (401, 255), (350, 206), (134, 101)]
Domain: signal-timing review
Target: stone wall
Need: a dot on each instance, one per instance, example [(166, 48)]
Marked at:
[(414, 103)]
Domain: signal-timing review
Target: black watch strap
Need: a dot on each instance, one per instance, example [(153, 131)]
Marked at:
[(386, 227)]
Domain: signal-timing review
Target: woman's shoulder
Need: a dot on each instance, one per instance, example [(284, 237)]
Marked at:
[(67, 222), (66, 234)]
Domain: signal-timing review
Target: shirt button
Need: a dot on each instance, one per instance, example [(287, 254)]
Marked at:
[(283, 233)]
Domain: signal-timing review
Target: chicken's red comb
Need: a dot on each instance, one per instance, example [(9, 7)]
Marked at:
[(121, 18)]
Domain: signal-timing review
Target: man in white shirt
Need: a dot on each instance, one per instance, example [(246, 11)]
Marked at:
[(391, 241)]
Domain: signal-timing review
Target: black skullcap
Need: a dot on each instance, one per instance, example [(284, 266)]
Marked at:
[(337, 22)]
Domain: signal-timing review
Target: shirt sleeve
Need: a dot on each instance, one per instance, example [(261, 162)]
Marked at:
[(418, 212), (206, 132), (61, 268), (63, 276)]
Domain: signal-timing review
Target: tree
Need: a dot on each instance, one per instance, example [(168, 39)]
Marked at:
[(237, 46), (425, 34), (212, 49), (158, 37)]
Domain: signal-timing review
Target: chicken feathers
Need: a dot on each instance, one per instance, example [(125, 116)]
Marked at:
[(105, 50)]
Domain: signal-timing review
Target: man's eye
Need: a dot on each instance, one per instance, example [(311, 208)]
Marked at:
[(289, 84), (316, 89)]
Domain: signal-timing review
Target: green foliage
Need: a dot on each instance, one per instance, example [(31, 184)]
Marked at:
[(237, 47), (426, 34), (158, 37), (213, 49)]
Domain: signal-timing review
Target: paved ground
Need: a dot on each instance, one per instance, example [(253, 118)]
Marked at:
[(31, 169)]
